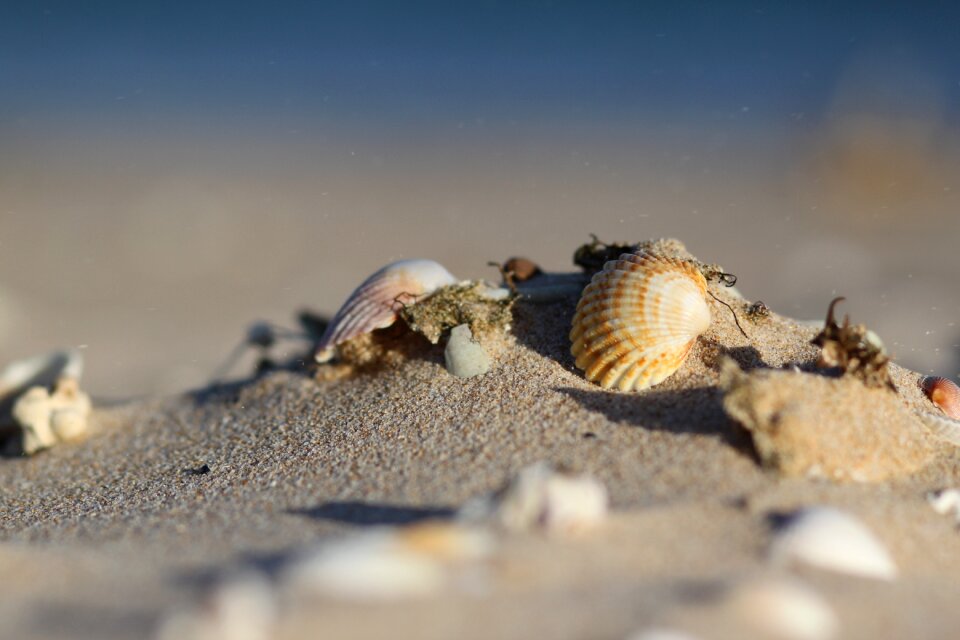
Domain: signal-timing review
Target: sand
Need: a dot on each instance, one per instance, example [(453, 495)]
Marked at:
[(107, 537)]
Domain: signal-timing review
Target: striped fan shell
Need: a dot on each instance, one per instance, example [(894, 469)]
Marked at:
[(637, 320), (374, 304)]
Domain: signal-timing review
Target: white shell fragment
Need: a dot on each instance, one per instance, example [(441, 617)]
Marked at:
[(46, 419), (243, 608), (946, 502), (389, 564), (374, 304), (785, 609), (830, 539), (540, 499), (638, 319), (465, 357)]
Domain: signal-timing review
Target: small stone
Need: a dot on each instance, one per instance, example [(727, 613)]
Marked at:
[(465, 358), (543, 500)]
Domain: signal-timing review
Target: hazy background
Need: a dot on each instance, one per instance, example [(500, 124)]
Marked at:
[(169, 175)]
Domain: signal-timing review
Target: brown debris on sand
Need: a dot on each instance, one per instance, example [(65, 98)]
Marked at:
[(854, 349), (451, 306), (810, 425)]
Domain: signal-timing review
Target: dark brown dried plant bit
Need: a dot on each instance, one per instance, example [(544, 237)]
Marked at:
[(592, 256), (854, 349)]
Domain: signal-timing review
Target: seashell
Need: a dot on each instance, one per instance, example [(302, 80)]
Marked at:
[(944, 393), (637, 320), (374, 304), (831, 539), (389, 564), (48, 418), (540, 499), (946, 502), (243, 607), (783, 608)]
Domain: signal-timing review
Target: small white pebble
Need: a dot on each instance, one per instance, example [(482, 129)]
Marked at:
[(465, 357), (946, 502)]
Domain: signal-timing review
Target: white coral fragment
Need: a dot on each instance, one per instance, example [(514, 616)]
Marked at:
[(48, 418), (946, 502), (785, 609), (541, 499), (242, 608)]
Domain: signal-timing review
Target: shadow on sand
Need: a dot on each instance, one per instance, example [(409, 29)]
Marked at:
[(364, 514)]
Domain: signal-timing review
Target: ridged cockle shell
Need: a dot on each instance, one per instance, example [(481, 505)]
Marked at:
[(374, 304), (944, 393), (637, 320)]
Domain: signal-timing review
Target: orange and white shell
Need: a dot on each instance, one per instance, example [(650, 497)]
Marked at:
[(374, 304), (637, 320), (944, 393)]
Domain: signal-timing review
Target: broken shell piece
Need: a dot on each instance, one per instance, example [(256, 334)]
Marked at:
[(540, 499), (242, 608), (32, 412), (783, 608), (374, 304), (38, 371), (389, 564), (465, 357), (637, 320), (946, 502), (830, 539), (944, 393), (46, 419)]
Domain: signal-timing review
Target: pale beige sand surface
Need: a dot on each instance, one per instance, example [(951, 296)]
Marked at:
[(102, 539)]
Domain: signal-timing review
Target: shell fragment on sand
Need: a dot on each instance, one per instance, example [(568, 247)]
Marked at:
[(241, 608), (783, 608), (946, 502), (637, 320), (48, 418), (375, 303), (806, 424), (830, 539), (540, 499), (465, 357), (389, 563)]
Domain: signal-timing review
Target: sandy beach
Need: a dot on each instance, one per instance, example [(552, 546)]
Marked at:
[(191, 196), (169, 498)]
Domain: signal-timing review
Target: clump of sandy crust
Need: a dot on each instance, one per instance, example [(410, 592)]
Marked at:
[(805, 424), (458, 304)]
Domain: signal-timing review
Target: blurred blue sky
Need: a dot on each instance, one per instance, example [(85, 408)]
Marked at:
[(439, 62)]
